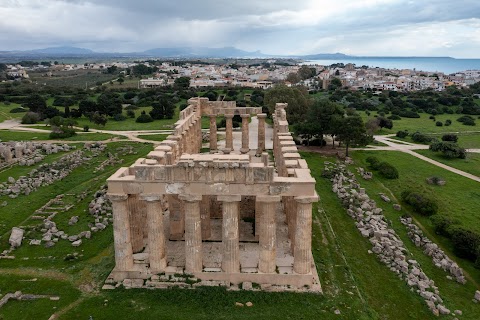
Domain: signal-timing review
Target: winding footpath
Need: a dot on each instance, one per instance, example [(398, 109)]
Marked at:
[(409, 148)]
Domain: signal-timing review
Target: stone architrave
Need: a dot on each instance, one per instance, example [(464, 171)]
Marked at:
[(302, 263), (261, 133), (193, 233), (245, 134), (229, 132), (268, 238), (156, 233), (213, 133), (121, 232), (230, 233)]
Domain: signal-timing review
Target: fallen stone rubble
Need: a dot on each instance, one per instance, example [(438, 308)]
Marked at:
[(387, 245), (440, 259), (44, 175), (28, 153)]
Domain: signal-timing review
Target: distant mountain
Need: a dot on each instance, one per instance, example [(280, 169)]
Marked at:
[(320, 56), (61, 51), (202, 52)]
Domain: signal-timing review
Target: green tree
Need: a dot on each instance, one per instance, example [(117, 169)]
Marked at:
[(296, 97), (335, 84), (323, 117), (36, 103), (352, 132), (306, 72), (182, 83)]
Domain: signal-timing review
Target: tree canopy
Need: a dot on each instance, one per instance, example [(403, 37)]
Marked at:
[(296, 97)]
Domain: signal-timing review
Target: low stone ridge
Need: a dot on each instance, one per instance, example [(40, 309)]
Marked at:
[(27, 153), (440, 259), (387, 245), (44, 175)]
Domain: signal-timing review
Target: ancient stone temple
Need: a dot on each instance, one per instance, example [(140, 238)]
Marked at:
[(230, 215)]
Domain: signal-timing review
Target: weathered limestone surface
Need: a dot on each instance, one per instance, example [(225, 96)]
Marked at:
[(224, 217)]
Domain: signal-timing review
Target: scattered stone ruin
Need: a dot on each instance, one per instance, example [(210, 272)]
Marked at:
[(230, 216)]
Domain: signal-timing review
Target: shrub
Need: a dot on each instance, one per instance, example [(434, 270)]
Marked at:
[(450, 137), (18, 110), (421, 138), (420, 203), (62, 132), (30, 118), (402, 134), (467, 120), (144, 118), (442, 225), (394, 117), (119, 117), (465, 243), (131, 107), (408, 114), (432, 118), (387, 170), (130, 113), (86, 128), (449, 149), (373, 162), (448, 122), (439, 124)]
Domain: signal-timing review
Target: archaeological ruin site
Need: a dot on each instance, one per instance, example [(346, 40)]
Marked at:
[(233, 214)]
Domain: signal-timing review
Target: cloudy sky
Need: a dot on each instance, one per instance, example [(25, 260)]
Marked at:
[(358, 27)]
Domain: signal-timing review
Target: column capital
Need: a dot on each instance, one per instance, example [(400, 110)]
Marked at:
[(212, 115), (228, 116), (267, 198), (307, 199), (281, 105), (190, 197), (117, 196), (261, 115), (150, 197), (245, 115), (230, 198)]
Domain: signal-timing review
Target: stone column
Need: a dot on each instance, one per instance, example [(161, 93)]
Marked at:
[(261, 133), (156, 233), (230, 234), (205, 216), (303, 235), (121, 232), (228, 132), (213, 133), (193, 233), (245, 134), (138, 217), (268, 236), (7, 155)]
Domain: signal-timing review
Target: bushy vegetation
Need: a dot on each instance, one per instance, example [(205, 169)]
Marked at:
[(467, 120), (421, 138), (420, 203), (402, 134), (144, 118), (385, 169), (450, 137), (448, 149)]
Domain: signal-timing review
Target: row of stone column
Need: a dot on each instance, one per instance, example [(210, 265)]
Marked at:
[(230, 232), (245, 133), (192, 138)]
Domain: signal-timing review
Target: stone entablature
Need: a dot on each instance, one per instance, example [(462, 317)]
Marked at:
[(203, 201)]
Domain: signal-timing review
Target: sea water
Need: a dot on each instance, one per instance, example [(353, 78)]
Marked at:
[(446, 65)]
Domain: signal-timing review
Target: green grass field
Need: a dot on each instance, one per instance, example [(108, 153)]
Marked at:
[(8, 135), (424, 124), (465, 140), (471, 164), (153, 137)]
